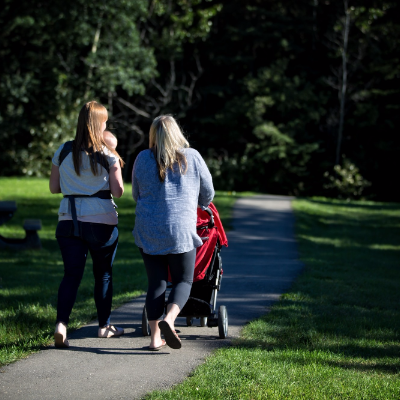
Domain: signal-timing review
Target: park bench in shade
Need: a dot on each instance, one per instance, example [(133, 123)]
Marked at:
[(31, 226), (7, 210)]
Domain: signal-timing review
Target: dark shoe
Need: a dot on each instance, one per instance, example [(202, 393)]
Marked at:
[(170, 336)]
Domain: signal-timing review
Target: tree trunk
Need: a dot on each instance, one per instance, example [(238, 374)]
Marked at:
[(343, 88), (93, 51), (314, 39)]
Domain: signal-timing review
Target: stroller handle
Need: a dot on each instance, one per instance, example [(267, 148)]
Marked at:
[(210, 213)]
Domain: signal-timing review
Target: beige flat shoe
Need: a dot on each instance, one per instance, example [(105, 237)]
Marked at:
[(110, 331), (60, 336)]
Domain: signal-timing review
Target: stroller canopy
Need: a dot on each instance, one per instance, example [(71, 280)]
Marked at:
[(210, 237)]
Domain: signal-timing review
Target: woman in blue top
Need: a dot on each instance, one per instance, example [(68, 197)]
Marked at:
[(169, 181), (87, 171)]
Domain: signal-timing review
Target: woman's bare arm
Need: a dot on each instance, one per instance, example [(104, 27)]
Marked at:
[(116, 182), (54, 183)]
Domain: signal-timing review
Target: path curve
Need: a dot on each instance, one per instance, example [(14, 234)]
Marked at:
[(259, 265)]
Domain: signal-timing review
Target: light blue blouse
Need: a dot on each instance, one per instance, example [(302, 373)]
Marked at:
[(166, 212)]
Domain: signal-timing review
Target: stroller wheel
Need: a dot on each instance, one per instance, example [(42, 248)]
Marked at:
[(222, 322), (203, 321), (189, 321), (145, 323)]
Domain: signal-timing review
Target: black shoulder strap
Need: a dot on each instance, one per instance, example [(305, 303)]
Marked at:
[(102, 160), (99, 157), (65, 151)]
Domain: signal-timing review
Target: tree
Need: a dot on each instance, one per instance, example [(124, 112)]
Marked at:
[(55, 57), (359, 64), (172, 30), (251, 121), (72, 53), (272, 93)]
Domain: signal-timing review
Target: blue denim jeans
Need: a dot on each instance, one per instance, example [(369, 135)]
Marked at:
[(101, 241)]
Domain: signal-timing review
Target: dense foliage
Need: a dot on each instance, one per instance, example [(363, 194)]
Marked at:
[(291, 96)]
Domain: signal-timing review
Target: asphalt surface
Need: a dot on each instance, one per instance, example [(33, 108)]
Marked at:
[(259, 265)]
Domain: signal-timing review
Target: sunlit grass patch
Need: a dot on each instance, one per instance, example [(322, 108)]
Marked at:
[(336, 333)]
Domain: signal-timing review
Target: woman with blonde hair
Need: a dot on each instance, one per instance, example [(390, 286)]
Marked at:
[(87, 171), (169, 181)]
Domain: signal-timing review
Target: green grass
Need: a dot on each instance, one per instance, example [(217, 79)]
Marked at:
[(336, 333), (29, 280)]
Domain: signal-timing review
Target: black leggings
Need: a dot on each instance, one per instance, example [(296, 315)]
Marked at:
[(181, 267)]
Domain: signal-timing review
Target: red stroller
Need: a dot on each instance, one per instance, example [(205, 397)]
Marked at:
[(202, 302)]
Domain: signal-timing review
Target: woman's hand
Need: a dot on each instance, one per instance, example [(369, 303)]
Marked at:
[(54, 183)]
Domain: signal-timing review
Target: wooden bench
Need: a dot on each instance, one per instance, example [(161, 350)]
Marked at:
[(31, 226)]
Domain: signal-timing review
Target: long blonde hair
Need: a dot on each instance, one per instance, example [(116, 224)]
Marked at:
[(89, 136), (167, 141)]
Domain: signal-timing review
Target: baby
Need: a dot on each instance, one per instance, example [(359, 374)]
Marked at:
[(110, 139)]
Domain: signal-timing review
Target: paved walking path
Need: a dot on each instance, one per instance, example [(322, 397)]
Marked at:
[(259, 265)]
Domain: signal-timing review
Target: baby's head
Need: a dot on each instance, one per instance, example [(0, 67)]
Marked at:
[(110, 139)]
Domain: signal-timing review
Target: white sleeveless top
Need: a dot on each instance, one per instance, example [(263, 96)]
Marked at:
[(88, 209)]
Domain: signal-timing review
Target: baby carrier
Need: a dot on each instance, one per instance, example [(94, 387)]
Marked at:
[(102, 194)]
